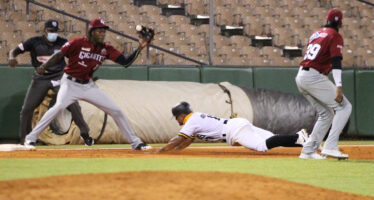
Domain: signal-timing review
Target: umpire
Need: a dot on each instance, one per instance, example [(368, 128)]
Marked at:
[(41, 48)]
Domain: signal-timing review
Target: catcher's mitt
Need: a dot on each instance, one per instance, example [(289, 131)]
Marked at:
[(145, 33)]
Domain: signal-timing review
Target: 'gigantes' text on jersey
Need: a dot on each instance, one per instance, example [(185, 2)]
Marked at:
[(204, 126), (323, 45), (85, 58)]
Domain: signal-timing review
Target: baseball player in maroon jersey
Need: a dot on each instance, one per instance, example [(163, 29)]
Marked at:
[(85, 55), (323, 54)]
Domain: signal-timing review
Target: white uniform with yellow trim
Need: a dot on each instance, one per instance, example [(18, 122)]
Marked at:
[(237, 130)]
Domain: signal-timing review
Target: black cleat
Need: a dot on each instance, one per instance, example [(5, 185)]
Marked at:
[(142, 147), (88, 141)]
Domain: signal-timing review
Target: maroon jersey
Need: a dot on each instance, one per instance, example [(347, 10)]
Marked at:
[(85, 58), (323, 45)]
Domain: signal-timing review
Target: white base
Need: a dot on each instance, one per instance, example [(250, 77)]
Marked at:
[(14, 147)]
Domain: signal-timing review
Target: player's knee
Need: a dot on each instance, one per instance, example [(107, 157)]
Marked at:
[(327, 115), (262, 148), (348, 107), (58, 107), (116, 113)]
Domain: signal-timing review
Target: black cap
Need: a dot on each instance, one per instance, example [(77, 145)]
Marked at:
[(51, 24)]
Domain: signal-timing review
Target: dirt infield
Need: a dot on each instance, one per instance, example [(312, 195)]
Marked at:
[(166, 185), (162, 185), (355, 152)]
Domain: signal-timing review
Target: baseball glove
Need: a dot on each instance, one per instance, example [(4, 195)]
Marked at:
[(145, 33)]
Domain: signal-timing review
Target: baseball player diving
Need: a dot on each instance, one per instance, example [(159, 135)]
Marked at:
[(85, 55), (232, 131), (323, 54)]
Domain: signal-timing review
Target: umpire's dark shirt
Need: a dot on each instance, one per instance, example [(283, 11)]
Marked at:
[(40, 51)]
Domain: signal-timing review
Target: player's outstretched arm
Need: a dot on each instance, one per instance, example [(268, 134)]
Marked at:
[(51, 61), (126, 61), (173, 144), (185, 143)]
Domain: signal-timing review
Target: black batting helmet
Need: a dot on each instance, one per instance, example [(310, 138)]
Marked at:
[(181, 108)]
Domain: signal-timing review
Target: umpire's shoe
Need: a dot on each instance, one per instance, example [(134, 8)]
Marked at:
[(142, 147), (88, 141)]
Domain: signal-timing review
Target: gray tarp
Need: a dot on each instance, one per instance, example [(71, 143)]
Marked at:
[(281, 113), (147, 104)]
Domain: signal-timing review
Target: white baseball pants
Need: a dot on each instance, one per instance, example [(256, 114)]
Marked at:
[(241, 131), (321, 93), (70, 92)]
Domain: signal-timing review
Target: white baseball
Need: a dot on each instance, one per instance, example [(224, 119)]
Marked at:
[(138, 27)]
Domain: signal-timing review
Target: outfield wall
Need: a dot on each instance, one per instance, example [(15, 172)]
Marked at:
[(358, 85)]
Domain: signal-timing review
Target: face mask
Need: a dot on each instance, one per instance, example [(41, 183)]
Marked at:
[(52, 37)]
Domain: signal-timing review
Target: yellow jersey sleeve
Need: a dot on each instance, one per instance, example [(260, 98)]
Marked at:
[(185, 136)]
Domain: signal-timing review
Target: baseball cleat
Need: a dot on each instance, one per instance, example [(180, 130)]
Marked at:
[(142, 147), (88, 141), (311, 156), (30, 145), (334, 154), (303, 137)]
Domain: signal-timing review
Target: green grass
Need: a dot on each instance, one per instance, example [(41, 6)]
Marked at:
[(357, 142), (348, 176)]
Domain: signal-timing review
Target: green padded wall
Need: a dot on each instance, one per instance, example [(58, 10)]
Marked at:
[(358, 87), (237, 76), (119, 72), (279, 79), (172, 73), (348, 78), (14, 84), (365, 102)]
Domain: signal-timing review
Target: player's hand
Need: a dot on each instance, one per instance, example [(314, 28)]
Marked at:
[(159, 150), (143, 43), (153, 151), (12, 62), (339, 94), (41, 70)]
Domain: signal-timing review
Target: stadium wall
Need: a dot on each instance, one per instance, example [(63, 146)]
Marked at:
[(358, 87)]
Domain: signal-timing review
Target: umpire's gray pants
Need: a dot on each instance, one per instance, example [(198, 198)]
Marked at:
[(321, 93), (69, 93)]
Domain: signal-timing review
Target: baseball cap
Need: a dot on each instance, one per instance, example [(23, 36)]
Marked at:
[(97, 23), (51, 24), (335, 15)]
